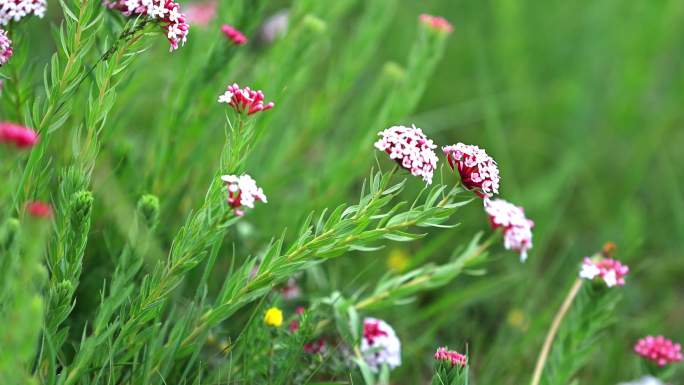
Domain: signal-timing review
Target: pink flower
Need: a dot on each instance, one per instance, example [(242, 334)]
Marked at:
[(245, 100), (411, 149), (315, 347), (436, 23), (517, 229), (242, 192), (201, 13), (611, 271), (39, 209), (15, 10), (380, 344), (478, 170), (233, 34), (291, 290), (293, 326), (5, 48), (451, 356), (300, 310), (20, 136), (659, 349), (167, 12)]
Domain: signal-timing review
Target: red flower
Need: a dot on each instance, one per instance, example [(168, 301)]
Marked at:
[(20, 136), (233, 34), (39, 209)]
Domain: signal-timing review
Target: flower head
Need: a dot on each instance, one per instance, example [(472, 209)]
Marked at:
[(233, 34), (39, 209), (611, 271), (647, 380), (410, 148), (436, 23), (242, 191), (517, 229), (166, 12), (659, 349), (380, 344), (201, 13), (274, 26), (5, 47), (273, 317), (15, 10), (291, 290), (19, 136), (451, 356), (315, 347), (478, 170), (245, 100)]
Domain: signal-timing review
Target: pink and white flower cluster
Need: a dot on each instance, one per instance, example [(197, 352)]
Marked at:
[(451, 356), (245, 100), (517, 229), (611, 271), (233, 34), (5, 47), (19, 136), (380, 345), (167, 12), (436, 23), (660, 350), (478, 170), (242, 192), (411, 149), (15, 10)]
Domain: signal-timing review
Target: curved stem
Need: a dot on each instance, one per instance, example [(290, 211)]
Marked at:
[(544, 354)]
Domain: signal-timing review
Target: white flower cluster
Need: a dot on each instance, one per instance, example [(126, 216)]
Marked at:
[(242, 191), (517, 229), (411, 149), (380, 344), (5, 47), (478, 170), (648, 380), (15, 10)]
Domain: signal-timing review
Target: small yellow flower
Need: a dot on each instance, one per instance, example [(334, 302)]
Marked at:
[(516, 318), (273, 317), (397, 260)]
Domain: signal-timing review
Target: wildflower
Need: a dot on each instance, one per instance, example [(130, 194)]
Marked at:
[(293, 326), (517, 229), (478, 171), (451, 356), (20, 136), (646, 380), (611, 271), (245, 100), (201, 13), (411, 149), (273, 317), (436, 23), (659, 349), (398, 260), (167, 12), (315, 347), (380, 344), (242, 192), (300, 310), (291, 290), (5, 48), (516, 318), (274, 26), (233, 34), (15, 10), (38, 209)]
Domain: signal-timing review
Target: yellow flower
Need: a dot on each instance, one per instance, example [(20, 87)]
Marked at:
[(516, 318), (398, 260), (273, 317)]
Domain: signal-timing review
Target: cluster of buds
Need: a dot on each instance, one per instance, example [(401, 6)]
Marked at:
[(15, 10), (436, 23), (517, 229), (245, 100), (5, 48), (660, 350), (478, 170), (451, 356), (380, 345), (166, 12), (411, 149), (233, 34), (242, 192), (19, 136), (611, 271)]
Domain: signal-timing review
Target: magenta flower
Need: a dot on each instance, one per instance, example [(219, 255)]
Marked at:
[(436, 23), (659, 349), (15, 10), (19, 136), (411, 149), (478, 171), (233, 34), (451, 356), (611, 271), (5, 48), (380, 344), (315, 347), (517, 229), (166, 12), (242, 192), (38, 209), (245, 100)]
